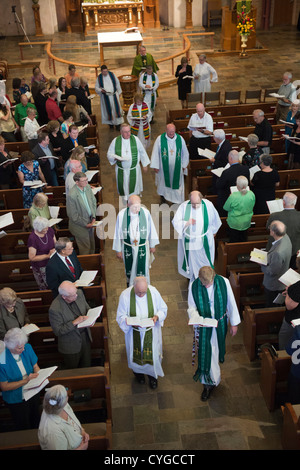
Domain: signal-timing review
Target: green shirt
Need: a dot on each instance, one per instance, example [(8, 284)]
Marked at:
[(21, 113), (82, 193), (240, 210)]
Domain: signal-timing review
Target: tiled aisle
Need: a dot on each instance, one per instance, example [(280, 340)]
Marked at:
[(173, 416)]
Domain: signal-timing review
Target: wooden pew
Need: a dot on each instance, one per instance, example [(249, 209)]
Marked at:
[(100, 438), (20, 214), (290, 437), (273, 377), (45, 344), (247, 288), (235, 256), (24, 280), (96, 379), (261, 326), (257, 229)]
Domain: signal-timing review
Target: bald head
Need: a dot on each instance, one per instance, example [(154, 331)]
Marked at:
[(289, 200), (196, 199), (200, 110), (277, 229), (140, 286), (233, 157), (170, 130), (134, 203), (68, 291)]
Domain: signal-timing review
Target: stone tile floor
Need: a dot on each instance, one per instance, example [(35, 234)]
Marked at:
[(173, 416)]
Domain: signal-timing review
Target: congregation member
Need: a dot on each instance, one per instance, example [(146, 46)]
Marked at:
[(81, 209), (75, 166), (135, 239), (220, 159), (31, 128), (204, 75), (141, 60), (228, 179), (288, 91), (65, 126), (80, 115), (293, 394), (291, 219), (44, 153), (196, 221), (85, 90), (29, 171), (39, 208), (73, 140), (210, 295), (63, 265), (13, 312), (71, 74), (108, 87), (66, 312), (77, 154), (264, 184), (8, 177), (170, 159), (253, 154), (61, 90), (40, 104), (41, 246), (59, 428), (294, 147), (77, 91), (127, 153), (19, 368), (292, 312), (278, 262), (263, 130), (8, 124), (149, 83), (55, 137), (21, 114), (290, 120), (239, 207), (201, 128), (139, 117), (52, 108), (143, 345), (184, 75)]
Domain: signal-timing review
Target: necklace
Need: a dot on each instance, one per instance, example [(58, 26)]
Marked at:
[(41, 238)]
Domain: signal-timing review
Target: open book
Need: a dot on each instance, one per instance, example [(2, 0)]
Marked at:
[(34, 184), (275, 206), (96, 190), (54, 221), (81, 128), (86, 278), (234, 189), (289, 277), (92, 314), (245, 139), (259, 256), (54, 210), (142, 322), (295, 322), (133, 29), (6, 219), (206, 153), (91, 96), (253, 170), (35, 385), (275, 95), (30, 328), (196, 319), (122, 159), (9, 160), (218, 171), (90, 174), (188, 76), (44, 157)]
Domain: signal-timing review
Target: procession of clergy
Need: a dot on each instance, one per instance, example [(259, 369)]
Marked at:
[(141, 311)]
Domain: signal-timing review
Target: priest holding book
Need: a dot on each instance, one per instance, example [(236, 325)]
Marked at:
[(142, 304), (210, 296)]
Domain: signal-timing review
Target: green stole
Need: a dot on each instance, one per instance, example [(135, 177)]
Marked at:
[(165, 161), (128, 252), (187, 216), (200, 297), (153, 92), (147, 356), (120, 174)]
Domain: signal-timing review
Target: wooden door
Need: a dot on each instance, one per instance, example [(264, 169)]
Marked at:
[(283, 12)]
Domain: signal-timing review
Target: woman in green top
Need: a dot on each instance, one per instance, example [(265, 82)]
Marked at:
[(39, 208), (239, 206)]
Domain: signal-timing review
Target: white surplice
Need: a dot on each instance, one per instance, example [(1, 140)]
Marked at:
[(126, 151), (134, 233), (197, 257), (160, 309), (233, 316), (207, 74), (131, 120), (109, 88), (173, 195), (149, 91)]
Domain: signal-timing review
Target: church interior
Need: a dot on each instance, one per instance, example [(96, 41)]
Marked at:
[(247, 410)]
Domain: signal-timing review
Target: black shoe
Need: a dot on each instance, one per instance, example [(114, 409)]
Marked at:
[(140, 378), (207, 392), (152, 382)]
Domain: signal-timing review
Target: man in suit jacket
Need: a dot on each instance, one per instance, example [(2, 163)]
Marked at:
[(228, 179), (48, 165), (63, 265), (220, 159), (279, 257), (66, 312), (72, 141), (79, 92), (81, 210), (291, 218)]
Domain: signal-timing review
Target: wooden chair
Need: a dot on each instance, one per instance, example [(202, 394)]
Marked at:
[(211, 96), (214, 12), (290, 437), (267, 92), (253, 95), (232, 96), (273, 377), (193, 98)]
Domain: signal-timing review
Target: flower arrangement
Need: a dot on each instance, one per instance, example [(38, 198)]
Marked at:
[(245, 24)]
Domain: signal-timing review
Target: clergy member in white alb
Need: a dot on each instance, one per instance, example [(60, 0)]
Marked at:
[(148, 83), (204, 75), (196, 221), (135, 239), (211, 296), (143, 344), (109, 89), (127, 152), (170, 158)]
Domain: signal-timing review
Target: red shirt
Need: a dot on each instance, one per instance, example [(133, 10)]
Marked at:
[(53, 110)]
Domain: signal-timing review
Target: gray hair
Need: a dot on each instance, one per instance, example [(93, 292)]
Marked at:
[(40, 198), (252, 139), (288, 74), (259, 112), (78, 175), (219, 134), (55, 399), (278, 227), (40, 223), (15, 337), (242, 183), (75, 82), (7, 295), (266, 159), (140, 279), (290, 199), (61, 244), (63, 288)]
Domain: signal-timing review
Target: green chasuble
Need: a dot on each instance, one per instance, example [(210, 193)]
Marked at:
[(201, 300), (146, 356), (141, 62)]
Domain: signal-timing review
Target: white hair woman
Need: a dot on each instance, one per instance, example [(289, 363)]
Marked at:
[(20, 366), (39, 207), (13, 312), (252, 156), (239, 206), (59, 428), (41, 245), (204, 75)]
